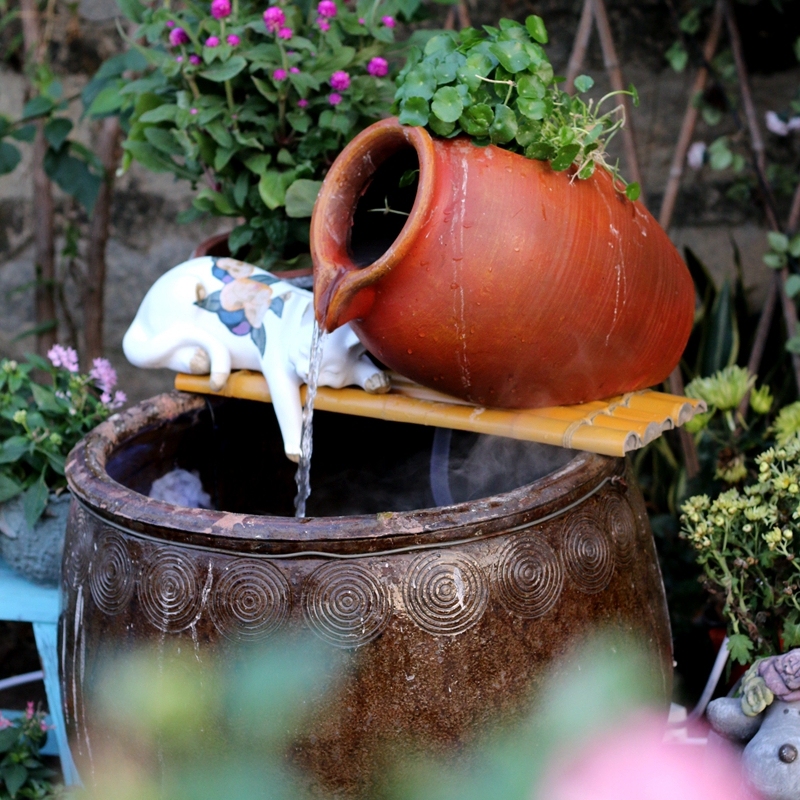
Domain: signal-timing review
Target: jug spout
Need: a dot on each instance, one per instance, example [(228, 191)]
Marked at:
[(365, 221)]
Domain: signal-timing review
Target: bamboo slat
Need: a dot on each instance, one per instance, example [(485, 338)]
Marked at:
[(611, 427)]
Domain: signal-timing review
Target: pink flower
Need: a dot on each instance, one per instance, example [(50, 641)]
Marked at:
[(388, 21), (170, 23), (103, 374), (5, 723), (192, 111), (340, 80), (178, 36), (634, 764), (179, 59), (324, 25), (233, 39), (378, 67), (294, 70), (362, 21), (119, 399), (29, 711), (326, 8), (220, 9), (334, 98), (285, 33), (274, 19), (194, 60), (43, 725), (64, 357), (279, 75), (302, 103), (212, 41)]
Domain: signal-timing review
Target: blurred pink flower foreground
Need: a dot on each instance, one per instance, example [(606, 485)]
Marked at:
[(634, 764)]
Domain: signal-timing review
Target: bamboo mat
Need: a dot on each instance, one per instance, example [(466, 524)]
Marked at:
[(611, 427)]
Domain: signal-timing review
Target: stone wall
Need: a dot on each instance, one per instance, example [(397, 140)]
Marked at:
[(146, 240)]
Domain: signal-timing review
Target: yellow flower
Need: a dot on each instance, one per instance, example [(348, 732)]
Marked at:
[(761, 400), (724, 389)]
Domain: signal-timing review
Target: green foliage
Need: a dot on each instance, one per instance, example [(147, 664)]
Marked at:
[(22, 772), (498, 87), (40, 422), (259, 121), (745, 542), (75, 169)]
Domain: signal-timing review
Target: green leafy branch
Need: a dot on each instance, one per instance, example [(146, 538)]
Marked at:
[(498, 87)]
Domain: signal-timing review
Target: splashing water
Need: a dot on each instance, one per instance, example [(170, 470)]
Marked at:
[(303, 475)]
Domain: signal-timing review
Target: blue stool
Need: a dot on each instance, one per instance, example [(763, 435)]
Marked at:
[(23, 601)]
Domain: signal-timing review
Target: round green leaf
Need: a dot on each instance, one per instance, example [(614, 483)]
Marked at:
[(533, 109), (541, 151), (226, 71), (441, 128), (420, 82), (536, 28), (414, 111), (530, 87), (9, 158), (477, 119), (528, 131), (504, 127), (632, 191), (447, 104), (564, 157), (779, 242), (583, 83), (792, 285), (512, 55), (301, 196)]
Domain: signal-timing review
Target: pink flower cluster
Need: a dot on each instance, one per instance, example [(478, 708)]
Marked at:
[(378, 67), (326, 10), (64, 357), (233, 40), (178, 36), (220, 9), (340, 80), (103, 374), (274, 19), (212, 41)]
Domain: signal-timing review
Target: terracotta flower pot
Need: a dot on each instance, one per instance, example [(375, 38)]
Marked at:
[(507, 284)]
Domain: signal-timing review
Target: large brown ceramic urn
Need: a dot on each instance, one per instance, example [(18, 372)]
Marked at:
[(446, 619), (495, 278)]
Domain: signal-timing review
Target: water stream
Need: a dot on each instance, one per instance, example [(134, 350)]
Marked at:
[(303, 476)]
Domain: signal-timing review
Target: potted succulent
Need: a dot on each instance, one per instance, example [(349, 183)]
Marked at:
[(406, 234), (40, 422), (252, 103)]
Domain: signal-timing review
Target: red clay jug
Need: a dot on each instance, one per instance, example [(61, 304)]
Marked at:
[(494, 278)]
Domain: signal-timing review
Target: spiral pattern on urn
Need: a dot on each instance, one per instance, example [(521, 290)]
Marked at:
[(345, 604), (621, 522), (111, 574), (587, 553), (445, 593), (529, 576), (169, 590), (78, 554), (250, 600)]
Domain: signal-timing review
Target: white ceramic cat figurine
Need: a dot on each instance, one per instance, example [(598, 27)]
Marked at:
[(218, 314)]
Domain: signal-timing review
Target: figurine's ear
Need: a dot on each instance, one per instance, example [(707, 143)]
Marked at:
[(727, 719)]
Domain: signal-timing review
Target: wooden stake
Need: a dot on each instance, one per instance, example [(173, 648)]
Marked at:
[(578, 55)]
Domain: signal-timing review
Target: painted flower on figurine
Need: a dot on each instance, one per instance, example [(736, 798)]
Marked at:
[(178, 36), (326, 8), (274, 19), (340, 80), (781, 675), (378, 67), (756, 695), (220, 9)]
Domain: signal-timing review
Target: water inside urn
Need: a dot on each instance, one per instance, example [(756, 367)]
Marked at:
[(360, 466), (383, 209)]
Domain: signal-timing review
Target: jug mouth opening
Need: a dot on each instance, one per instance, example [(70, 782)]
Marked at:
[(384, 208)]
